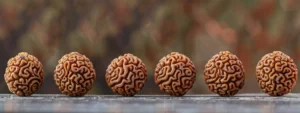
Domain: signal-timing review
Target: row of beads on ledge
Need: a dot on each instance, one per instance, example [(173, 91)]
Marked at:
[(175, 74)]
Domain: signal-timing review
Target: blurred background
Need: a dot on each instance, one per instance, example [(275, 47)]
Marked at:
[(150, 29)]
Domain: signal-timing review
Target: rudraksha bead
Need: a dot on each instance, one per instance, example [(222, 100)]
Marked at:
[(24, 74), (224, 74), (276, 73), (74, 75), (175, 74), (126, 75)]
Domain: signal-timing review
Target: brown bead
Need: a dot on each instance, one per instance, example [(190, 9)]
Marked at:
[(74, 75), (24, 74), (175, 74), (126, 75), (224, 74), (276, 73)]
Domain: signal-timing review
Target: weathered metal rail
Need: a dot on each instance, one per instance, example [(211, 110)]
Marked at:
[(243, 103)]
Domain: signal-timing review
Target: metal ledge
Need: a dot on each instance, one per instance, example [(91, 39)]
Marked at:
[(242, 103)]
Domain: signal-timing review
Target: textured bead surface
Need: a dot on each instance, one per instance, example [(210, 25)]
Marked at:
[(175, 74), (276, 73), (224, 74), (74, 75), (126, 75), (24, 74)]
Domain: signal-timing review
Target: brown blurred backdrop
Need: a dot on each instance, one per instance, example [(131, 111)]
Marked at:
[(149, 29)]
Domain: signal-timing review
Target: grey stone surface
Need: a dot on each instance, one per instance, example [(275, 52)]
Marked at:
[(243, 103)]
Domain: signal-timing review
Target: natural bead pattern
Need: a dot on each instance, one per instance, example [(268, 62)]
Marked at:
[(74, 74), (175, 74), (24, 74), (276, 73), (126, 75), (224, 74)]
